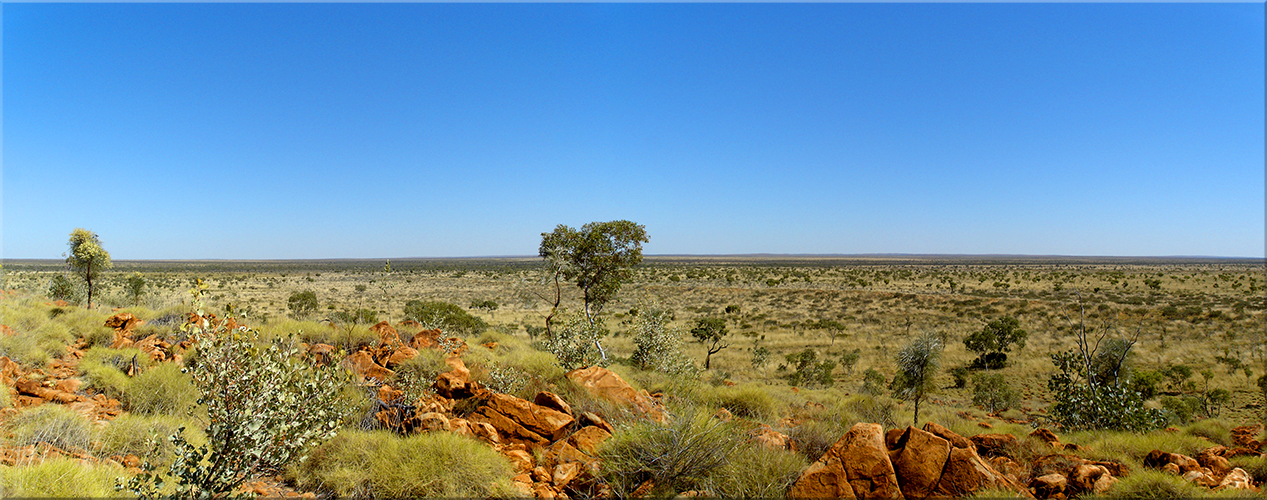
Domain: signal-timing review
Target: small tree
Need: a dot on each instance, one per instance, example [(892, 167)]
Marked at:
[(135, 285), (994, 341), (710, 332), (917, 365), (575, 343), (302, 304), (87, 258), (848, 359), (809, 370)]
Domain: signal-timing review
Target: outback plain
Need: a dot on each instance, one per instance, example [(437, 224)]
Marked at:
[(800, 352)]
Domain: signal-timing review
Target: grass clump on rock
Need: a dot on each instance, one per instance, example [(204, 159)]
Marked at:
[(680, 456)]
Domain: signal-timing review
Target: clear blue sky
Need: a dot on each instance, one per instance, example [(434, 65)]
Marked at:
[(182, 131)]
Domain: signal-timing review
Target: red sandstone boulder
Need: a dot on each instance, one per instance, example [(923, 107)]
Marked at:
[(608, 385), (518, 420), (1048, 437), (919, 461), (552, 401), (955, 440), (1049, 486), (858, 465), (996, 445), (1237, 479), (363, 365), (966, 473)]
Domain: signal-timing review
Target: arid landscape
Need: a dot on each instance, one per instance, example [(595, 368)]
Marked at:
[(1198, 356)]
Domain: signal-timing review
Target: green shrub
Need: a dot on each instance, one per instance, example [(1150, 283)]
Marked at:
[(815, 437), (265, 406), (1179, 410), (756, 471), (54, 424), (575, 341), (447, 317), (809, 371), (302, 304), (62, 288), (679, 456), (658, 345), (160, 390), (1150, 484), (378, 464), (59, 478)]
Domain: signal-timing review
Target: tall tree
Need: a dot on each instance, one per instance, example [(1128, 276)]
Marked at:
[(598, 257), (87, 258)]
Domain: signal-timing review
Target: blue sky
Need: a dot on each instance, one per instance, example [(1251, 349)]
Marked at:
[(274, 131)]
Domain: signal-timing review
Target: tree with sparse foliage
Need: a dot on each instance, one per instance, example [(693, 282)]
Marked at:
[(87, 258), (710, 332), (992, 392), (917, 365)]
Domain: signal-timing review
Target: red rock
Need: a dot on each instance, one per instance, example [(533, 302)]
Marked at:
[(919, 461), (363, 365), (387, 335), (955, 440), (564, 474), (768, 437), (966, 473), (552, 401), (590, 419), (588, 439), (1246, 435), (608, 385), (432, 421), (1046, 436), (996, 445), (1212, 458), (519, 420), (825, 478), (1084, 477), (426, 339), (1237, 479), (1049, 486)]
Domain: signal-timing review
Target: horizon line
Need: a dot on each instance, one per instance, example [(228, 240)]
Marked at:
[(690, 255)]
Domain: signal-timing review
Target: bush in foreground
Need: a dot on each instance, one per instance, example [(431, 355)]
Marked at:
[(53, 424)]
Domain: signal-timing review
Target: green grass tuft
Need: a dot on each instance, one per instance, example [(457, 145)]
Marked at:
[(379, 464), (60, 478), (756, 471), (53, 424), (1154, 485)]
